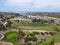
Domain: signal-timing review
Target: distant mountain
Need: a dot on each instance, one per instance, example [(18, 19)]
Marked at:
[(10, 13), (52, 14)]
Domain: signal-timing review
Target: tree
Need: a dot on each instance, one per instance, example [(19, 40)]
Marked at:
[(18, 21), (27, 39), (46, 33), (27, 44), (21, 34), (51, 33), (8, 24), (42, 33), (52, 42), (2, 27), (36, 33), (34, 39), (38, 20), (34, 20), (52, 21), (56, 29)]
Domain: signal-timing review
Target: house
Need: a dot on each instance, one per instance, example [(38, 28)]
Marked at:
[(20, 19), (3, 23), (34, 16), (57, 22)]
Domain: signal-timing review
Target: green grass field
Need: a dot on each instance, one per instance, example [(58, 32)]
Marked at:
[(57, 38), (11, 37), (33, 26), (47, 42)]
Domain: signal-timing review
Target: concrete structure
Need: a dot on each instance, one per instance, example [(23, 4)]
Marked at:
[(1, 36)]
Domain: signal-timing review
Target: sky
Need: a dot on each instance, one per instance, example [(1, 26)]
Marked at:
[(29, 5)]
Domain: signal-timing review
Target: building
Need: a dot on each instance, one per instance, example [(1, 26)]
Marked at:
[(57, 22)]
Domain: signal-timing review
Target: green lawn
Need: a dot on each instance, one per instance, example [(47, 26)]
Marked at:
[(11, 37), (48, 28), (27, 33), (57, 38)]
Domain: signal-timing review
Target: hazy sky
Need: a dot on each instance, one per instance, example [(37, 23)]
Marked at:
[(30, 5)]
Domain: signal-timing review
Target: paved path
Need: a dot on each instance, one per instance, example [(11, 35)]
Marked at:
[(5, 43), (1, 36), (25, 30), (36, 30), (57, 43)]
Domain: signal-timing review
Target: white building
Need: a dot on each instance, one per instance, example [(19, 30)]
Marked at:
[(34, 16), (21, 19)]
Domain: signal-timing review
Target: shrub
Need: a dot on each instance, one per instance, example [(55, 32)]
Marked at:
[(42, 33), (27, 39), (46, 33), (56, 29), (33, 38), (36, 33), (51, 33), (31, 34), (27, 44)]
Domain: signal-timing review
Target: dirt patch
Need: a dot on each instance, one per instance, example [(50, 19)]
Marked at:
[(21, 41)]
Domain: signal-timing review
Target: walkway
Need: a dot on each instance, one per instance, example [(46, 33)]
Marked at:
[(1, 36), (57, 43), (25, 30), (5, 43)]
